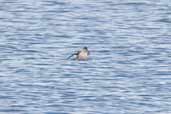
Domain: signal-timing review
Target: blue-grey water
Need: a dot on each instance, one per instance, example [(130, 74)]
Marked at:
[(128, 72)]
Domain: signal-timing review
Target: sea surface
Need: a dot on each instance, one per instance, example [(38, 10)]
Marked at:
[(128, 70)]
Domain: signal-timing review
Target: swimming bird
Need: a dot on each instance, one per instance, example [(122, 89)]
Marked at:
[(82, 54)]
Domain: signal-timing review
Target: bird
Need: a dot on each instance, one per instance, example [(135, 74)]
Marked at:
[(83, 54)]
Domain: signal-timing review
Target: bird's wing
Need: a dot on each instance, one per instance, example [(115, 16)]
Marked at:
[(76, 53)]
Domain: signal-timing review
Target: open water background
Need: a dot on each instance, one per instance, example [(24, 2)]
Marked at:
[(129, 70)]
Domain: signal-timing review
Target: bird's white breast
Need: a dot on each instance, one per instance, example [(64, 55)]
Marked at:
[(82, 55)]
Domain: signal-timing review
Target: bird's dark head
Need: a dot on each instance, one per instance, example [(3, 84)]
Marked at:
[(85, 48)]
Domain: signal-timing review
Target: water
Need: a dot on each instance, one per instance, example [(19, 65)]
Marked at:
[(128, 72)]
